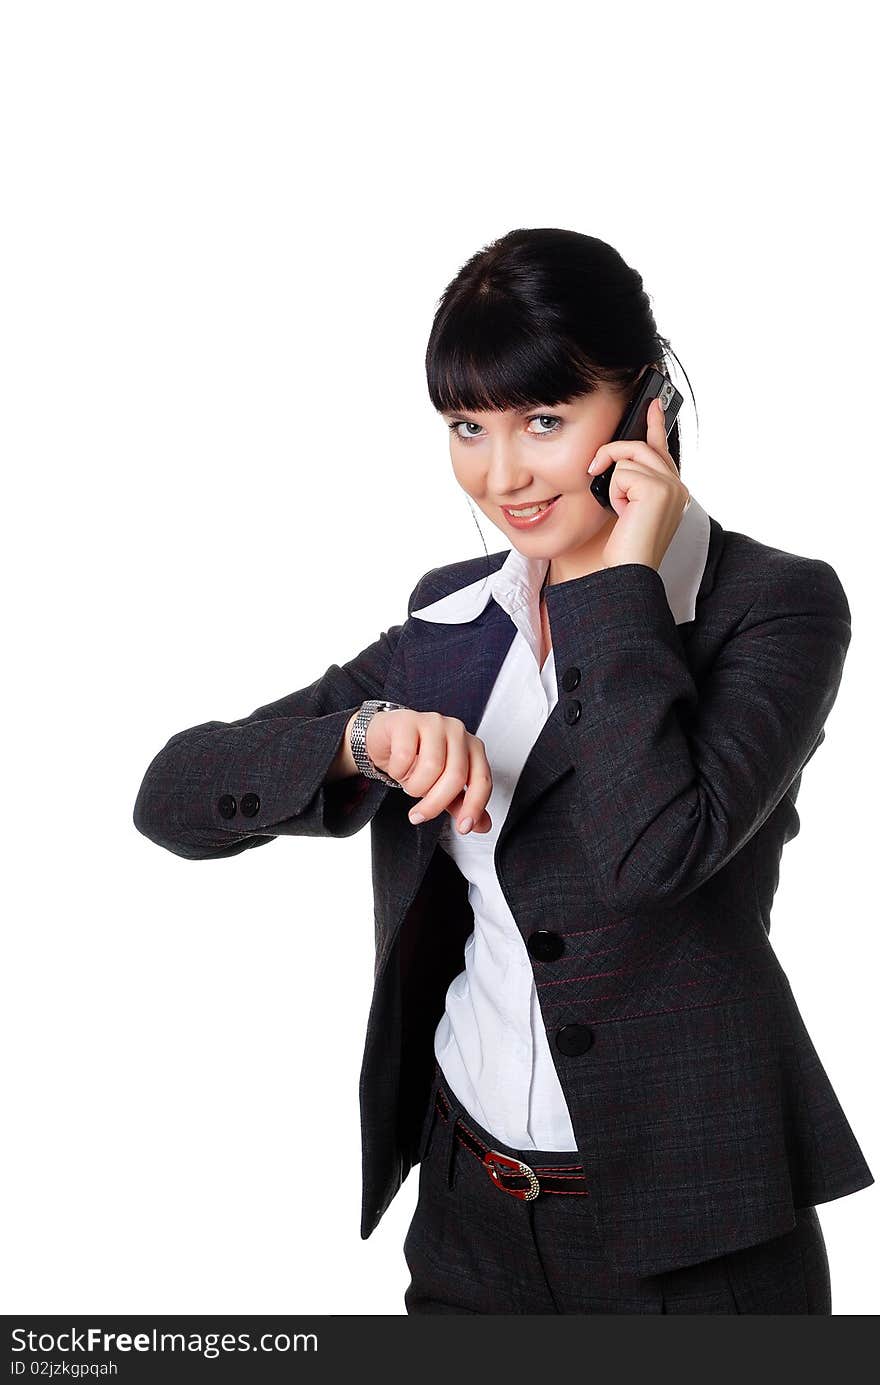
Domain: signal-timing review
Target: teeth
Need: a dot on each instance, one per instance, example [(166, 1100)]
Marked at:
[(532, 510)]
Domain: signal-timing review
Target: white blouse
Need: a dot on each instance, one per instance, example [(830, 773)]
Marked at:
[(491, 1042)]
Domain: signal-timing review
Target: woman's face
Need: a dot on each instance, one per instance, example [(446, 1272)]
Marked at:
[(509, 458)]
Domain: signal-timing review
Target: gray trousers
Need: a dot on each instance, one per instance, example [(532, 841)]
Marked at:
[(473, 1248)]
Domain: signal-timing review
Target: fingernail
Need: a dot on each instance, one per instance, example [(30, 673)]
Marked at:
[(416, 817), (465, 825), (591, 467)]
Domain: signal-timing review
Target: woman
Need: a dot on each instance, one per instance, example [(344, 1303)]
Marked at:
[(578, 1025)]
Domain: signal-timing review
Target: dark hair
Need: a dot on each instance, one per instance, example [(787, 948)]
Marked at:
[(541, 316)]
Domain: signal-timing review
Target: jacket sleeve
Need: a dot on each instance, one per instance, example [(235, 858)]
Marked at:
[(218, 788), (674, 780)]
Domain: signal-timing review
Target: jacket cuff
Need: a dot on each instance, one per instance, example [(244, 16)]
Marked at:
[(284, 774), (604, 624)]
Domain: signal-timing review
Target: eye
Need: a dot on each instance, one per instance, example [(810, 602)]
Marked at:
[(463, 423), (547, 418), (554, 422)]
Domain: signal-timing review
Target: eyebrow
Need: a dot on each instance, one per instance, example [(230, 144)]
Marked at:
[(529, 409)]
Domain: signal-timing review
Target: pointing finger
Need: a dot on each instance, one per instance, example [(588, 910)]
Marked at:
[(656, 426)]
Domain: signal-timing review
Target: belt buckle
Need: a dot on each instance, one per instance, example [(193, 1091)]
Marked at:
[(494, 1156)]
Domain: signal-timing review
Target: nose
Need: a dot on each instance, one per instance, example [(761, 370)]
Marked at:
[(505, 473)]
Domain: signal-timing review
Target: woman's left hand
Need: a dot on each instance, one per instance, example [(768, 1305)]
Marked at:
[(646, 492)]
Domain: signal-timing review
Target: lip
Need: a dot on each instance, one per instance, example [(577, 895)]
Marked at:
[(524, 523)]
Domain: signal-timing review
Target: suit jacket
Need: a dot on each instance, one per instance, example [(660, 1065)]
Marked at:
[(646, 830)]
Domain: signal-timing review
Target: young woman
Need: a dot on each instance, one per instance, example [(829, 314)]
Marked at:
[(579, 1028)]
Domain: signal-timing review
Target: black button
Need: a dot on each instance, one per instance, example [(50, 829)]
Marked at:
[(544, 945), (571, 711), (226, 806), (250, 804), (574, 1039), (570, 679)]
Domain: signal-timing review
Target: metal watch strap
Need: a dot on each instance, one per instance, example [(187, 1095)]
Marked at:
[(358, 738)]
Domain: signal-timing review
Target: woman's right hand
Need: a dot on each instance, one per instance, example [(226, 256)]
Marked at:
[(434, 758)]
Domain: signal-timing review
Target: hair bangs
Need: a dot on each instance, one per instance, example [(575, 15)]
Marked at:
[(505, 366)]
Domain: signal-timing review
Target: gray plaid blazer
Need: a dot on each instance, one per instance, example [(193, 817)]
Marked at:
[(646, 829)]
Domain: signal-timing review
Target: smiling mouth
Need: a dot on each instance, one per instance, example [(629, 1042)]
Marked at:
[(524, 511)]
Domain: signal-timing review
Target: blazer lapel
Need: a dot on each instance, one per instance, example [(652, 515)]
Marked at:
[(452, 668)]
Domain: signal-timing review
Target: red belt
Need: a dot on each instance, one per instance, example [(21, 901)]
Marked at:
[(512, 1175)]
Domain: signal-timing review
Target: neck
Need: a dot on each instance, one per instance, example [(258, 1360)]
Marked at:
[(580, 561)]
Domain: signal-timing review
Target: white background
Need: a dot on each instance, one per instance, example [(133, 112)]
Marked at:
[(226, 230)]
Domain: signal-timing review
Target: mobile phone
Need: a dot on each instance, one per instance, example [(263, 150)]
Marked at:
[(634, 423)]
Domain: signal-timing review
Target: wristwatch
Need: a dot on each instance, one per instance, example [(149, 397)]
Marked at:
[(358, 738)]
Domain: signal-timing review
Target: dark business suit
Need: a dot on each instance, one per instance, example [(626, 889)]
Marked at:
[(654, 807)]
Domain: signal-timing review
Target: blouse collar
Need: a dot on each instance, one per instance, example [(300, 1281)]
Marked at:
[(518, 580)]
